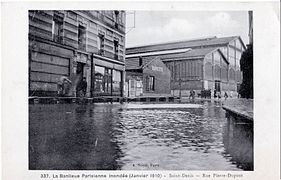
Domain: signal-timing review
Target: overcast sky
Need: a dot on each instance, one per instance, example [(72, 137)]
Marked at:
[(163, 26)]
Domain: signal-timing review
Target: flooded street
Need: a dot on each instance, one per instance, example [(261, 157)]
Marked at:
[(114, 136)]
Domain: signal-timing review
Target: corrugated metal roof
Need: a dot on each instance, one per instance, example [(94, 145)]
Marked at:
[(181, 44)]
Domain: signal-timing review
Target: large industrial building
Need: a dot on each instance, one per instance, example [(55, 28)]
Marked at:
[(76, 44), (201, 64)]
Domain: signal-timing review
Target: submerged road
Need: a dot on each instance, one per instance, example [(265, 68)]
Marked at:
[(127, 137)]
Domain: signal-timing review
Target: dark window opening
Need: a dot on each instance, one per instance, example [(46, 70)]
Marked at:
[(140, 61), (79, 77), (101, 44), (82, 38), (115, 49), (116, 17), (217, 86)]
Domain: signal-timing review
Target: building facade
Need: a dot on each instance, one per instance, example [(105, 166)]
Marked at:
[(147, 77), (200, 64), (76, 44)]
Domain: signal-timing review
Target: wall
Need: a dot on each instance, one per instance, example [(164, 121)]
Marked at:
[(155, 68), (47, 63), (51, 58), (95, 23), (238, 139), (233, 53), (186, 75), (134, 84), (216, 69), (162, 76)]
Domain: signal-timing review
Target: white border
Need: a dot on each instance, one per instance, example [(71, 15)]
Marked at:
[(266, 75)]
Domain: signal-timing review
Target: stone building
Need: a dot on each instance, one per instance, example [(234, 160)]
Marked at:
[(200, 64), (76, 44), (147, 77)]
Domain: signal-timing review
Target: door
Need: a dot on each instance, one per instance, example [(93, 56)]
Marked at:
[(218, 86)]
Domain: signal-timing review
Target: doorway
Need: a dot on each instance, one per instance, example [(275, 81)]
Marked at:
[(79, 75), (218, 86)]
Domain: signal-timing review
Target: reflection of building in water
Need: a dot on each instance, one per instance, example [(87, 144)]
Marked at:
[(76, 44), (79, 140), (238, 141), (199, 64)]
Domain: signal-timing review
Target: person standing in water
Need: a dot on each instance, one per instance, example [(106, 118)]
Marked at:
[(62, 85), (225, 95), (82, 87)]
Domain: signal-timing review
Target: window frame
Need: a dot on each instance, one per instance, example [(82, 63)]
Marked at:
[(101, 38), (150, 83), (81, 45), (57, 21)]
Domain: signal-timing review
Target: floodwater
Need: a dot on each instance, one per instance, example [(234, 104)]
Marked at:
[(121, 137)]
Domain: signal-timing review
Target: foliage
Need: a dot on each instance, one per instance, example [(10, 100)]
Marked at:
[(246, 65)]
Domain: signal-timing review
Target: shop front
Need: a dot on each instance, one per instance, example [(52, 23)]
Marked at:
[(107, 79)]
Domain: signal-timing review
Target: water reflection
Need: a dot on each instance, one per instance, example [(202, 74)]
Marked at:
[(110, 137), (72, 137)]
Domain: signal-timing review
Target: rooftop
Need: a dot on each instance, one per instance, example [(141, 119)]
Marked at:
[(132, 61), (159, 52), (193, 53), (202, 42)]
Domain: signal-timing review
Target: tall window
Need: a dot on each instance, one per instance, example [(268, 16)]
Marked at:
[(99, 79), (116, 81), (82, 37), (217, 86), (115, 49), (57, 30), (107, 80), (103, 80), (101, 44), (116, 18), (150, 83)]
